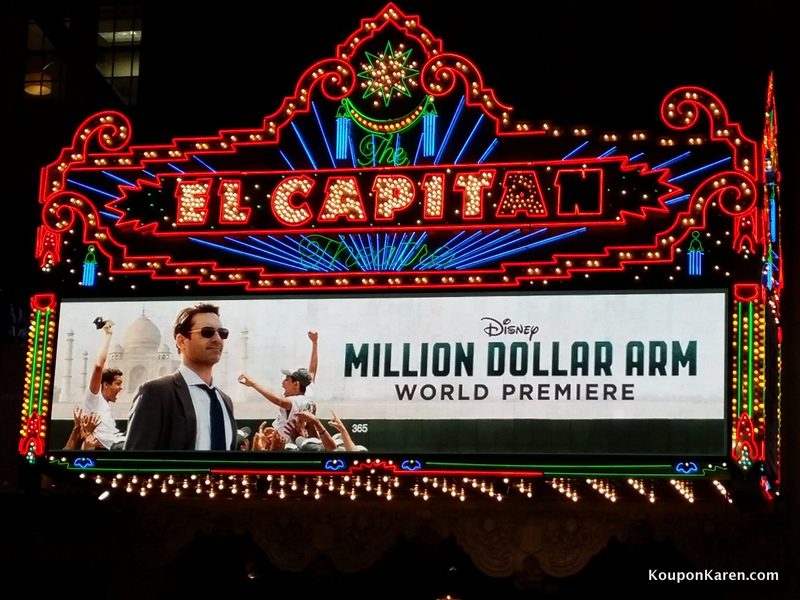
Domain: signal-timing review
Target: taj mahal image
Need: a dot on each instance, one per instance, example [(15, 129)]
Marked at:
[(142, 348), (141, 354)]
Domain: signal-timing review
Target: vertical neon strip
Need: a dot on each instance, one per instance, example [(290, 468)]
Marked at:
[(419, 145), (352, 150), (396, 149), (376, 256), (486, 154), (29, 372), (447, 135), (739, 365), (429, 133), (88, 274), (773, 221), (469, 139), (750, 362), (305, 146), (770, 267), (341, 137), (373, 254), (322, 131), (286, 158), (342, 132), (34, 366), (43, 361)]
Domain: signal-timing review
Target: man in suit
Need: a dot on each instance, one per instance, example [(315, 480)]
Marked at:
[(184, 411)]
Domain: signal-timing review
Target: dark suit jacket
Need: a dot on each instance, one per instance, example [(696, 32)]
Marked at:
[(163, 418)]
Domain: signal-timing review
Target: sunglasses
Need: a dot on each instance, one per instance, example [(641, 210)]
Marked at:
[(208, 332)]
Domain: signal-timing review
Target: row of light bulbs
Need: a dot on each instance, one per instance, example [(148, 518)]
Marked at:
[(379, 485)]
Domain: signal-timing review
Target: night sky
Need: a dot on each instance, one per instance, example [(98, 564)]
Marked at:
[(571, 62)]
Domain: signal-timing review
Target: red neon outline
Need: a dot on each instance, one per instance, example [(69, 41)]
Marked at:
[(681, 110), (43, 301), (744, 438), (576, 209), (32, 438), (747, 292), (504, 276)]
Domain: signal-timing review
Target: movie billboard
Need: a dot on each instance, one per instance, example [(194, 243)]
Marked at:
[(580, 374)]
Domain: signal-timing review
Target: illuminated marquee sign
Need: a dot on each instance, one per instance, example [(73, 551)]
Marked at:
[(393, 170), (394, 165)]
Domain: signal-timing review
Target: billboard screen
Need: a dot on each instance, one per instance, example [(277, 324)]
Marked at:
[(624, 373)]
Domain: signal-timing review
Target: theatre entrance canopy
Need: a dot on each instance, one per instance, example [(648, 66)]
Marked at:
[(497, 300)]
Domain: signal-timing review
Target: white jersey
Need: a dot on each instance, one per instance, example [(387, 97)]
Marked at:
[(281, 424), (106, 431)]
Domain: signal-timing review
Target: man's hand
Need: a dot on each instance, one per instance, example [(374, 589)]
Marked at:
[(88, 424), (337, 424), (267, 438), (309, 422), (313, 336), (90, 442), (77, 418), (275, 440)]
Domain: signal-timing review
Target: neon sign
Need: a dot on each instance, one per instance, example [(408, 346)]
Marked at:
[(393, 166), (393, 162)]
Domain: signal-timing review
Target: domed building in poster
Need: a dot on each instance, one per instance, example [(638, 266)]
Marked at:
[(141, 356)]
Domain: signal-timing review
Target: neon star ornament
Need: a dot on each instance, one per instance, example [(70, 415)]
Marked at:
[(387, 74)]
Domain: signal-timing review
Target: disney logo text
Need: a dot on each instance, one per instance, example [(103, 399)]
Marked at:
[(495, 327)]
